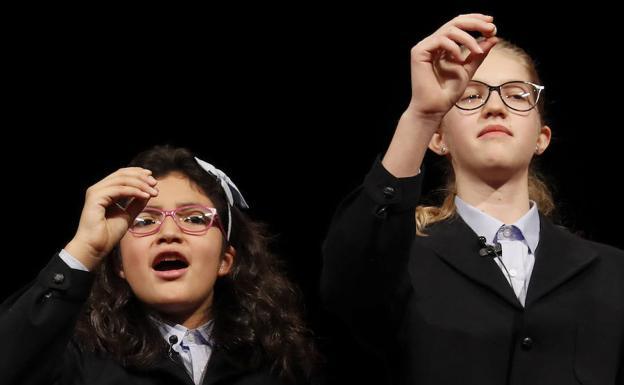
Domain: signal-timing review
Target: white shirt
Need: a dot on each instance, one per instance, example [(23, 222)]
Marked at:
[(194, 346), (517, 256)]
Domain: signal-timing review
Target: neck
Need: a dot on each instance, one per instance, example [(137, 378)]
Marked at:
[(506, 200), (189, 318)]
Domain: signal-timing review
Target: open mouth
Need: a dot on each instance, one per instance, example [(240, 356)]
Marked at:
[(170, 264)]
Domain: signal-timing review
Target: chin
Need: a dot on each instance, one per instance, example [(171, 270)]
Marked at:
[(498, 166), (172, 307), (172, 302), (497, 160), (158, 298)]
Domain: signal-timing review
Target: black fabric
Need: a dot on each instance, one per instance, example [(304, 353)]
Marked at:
[(36, 327), (435, 312)]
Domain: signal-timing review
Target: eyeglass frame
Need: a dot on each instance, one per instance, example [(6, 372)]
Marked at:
[(538, 87), (215, 219)]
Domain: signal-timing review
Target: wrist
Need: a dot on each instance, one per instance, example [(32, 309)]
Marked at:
[(83, 253), (423, 120)]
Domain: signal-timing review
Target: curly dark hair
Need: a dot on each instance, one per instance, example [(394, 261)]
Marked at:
[(256, 310)]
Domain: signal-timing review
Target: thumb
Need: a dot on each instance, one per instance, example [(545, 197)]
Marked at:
[(474, 60), (135, 207)]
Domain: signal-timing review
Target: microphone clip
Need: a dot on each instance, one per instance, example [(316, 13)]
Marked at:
[(171, 352), (489, 250)]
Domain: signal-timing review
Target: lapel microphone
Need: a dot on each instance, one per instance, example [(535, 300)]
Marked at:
[(494, 251), (489, 250), (172, 341)]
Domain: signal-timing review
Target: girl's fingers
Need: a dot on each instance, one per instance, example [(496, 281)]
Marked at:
[(472, 22), (131, 171), (492, 31), (453, 37), (473, 61), (121, 180), (487, 44), (463, 38), (451, 47), (477, 16), (108, 195)]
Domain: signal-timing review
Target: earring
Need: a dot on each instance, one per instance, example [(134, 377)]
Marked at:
[(537, 149), (443, 150)]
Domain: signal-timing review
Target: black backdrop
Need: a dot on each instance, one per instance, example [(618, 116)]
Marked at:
[(293, 104)]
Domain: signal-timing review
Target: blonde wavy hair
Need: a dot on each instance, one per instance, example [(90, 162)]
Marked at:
[(538, 189)]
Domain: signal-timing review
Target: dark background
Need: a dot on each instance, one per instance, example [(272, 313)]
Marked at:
[(294, 104)]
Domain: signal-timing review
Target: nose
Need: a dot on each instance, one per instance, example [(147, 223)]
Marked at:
[(169, 230), (494, 105)]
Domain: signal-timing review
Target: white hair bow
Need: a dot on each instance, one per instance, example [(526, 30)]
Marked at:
[(234, 196)]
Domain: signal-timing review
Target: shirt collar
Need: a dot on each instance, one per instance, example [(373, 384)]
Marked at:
[(167, 330), (487, 226)]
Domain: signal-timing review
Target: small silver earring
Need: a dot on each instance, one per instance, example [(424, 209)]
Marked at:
[(443, 149), (537, 149)]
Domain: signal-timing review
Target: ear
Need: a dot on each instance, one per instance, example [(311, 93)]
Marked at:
[(120, 269), (227, 261), (117, 262), (436, 144), (543, 139)]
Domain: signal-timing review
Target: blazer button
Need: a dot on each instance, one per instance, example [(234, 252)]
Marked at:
[(527, 343), (381, 211), (58, 278), (388, 192)]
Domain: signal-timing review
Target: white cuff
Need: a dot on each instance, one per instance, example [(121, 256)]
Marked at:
[(71, 261)]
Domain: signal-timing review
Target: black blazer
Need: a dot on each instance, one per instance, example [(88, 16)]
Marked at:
[(36, 326), (436, 312)]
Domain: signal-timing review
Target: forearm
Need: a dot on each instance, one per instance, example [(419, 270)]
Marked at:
[(366, 249), (409, 144)]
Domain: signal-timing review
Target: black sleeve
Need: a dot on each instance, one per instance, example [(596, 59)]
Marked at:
[(364, 278), (37, 323)]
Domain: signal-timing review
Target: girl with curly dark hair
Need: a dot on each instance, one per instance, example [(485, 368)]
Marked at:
[(137, 297)]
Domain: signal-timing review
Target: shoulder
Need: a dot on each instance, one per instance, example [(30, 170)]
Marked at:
[(452, 226), (606, 250), (578, 237), (602, 249)]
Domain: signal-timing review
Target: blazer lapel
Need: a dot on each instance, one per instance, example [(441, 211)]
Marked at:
[(456, 243), (220, 368), (172, 367), (559, 257)]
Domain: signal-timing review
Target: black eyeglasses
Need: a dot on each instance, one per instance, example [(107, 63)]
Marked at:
[(517, 95)]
